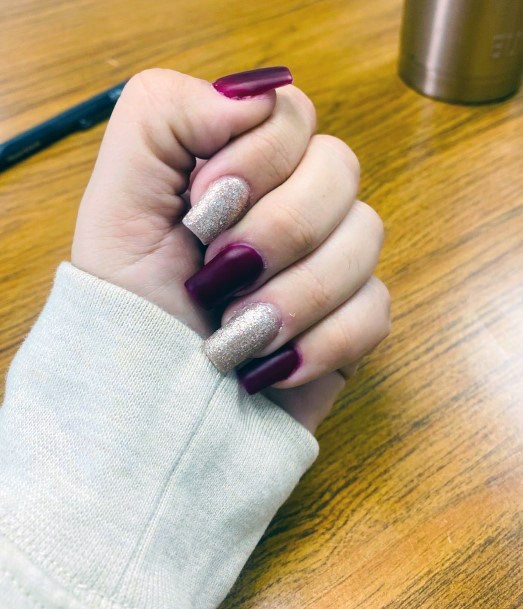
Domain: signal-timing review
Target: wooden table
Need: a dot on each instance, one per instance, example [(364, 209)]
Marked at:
[(414, 500)]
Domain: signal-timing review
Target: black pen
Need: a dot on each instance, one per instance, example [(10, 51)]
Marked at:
[(82, 116)]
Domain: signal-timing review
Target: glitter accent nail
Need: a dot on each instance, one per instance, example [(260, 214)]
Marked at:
[(246, 333), (223, 204)]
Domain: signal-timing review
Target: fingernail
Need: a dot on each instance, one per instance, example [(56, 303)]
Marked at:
[(233, 269), (266, 371), (223, 204), (246, 333), (253, 82)]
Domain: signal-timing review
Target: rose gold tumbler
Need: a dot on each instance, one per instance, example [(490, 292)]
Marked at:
[(466, 51)]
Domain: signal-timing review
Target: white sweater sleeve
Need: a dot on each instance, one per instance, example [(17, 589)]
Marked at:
[(132, 474)]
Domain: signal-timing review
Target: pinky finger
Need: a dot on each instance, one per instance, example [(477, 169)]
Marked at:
[(337, 342)]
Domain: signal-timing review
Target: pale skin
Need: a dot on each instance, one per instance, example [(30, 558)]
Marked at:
[(320, 243)]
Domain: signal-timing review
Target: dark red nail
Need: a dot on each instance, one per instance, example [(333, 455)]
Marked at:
[(233, 269), (266, 371), (253, 82)]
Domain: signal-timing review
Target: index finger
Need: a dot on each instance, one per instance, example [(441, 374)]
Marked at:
[(251, 165)]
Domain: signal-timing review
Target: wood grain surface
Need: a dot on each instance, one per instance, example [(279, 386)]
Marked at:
[(415, 500)]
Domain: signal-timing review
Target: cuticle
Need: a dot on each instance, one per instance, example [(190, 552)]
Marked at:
[(230, 175), (236, 243), (300, 359), (240, 98), (247, 305), (297, 366), (264, 260)]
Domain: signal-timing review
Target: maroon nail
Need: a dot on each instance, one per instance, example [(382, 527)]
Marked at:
[(253, 82), (263, 372), (233, 269)]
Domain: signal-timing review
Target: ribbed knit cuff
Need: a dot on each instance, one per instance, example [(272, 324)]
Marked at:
[(132, 473)]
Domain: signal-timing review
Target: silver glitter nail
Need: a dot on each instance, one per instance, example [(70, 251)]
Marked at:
[(223, 204), (246, 333)]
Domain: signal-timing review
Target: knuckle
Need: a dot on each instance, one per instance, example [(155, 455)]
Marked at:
[(343, 342), (318, 292), (307, 108), (133, 86), (296, 230), (274, 153), (142, 84), (302, 103), (150, 76), (384, 300), (152, 86), (304, 236), (386, 324), (373, 219), (342, 151)]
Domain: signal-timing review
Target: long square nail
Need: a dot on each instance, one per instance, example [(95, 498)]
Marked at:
[(263, 372), (222, 205), (244, 335), (253, 82), (231, 270)]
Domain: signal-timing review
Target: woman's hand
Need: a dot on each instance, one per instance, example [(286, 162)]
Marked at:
[(291, 251)]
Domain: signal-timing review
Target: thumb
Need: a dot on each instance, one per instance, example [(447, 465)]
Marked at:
[(162, 121), (128, 229)]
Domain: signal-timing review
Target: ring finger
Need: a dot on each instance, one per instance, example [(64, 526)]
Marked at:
[(302, 295)]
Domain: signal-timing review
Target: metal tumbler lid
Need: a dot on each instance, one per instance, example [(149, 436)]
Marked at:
[(467, 51)]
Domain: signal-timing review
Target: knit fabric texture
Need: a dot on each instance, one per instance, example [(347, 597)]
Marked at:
[(133, 475)]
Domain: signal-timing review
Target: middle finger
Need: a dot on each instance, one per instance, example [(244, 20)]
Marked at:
[(283, 227)]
